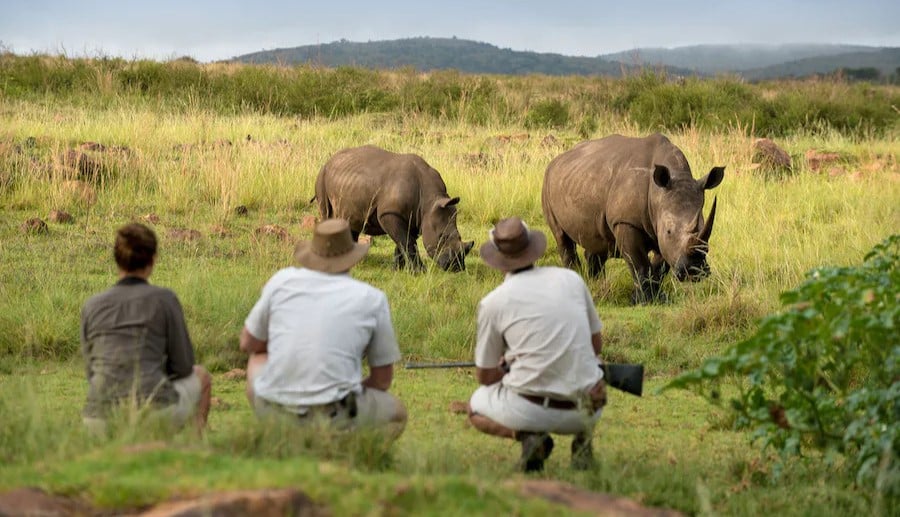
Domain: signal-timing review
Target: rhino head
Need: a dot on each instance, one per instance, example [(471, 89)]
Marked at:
[(681, 231), (441, 237)]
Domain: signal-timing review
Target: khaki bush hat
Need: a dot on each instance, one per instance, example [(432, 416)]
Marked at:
[(332, 249), (512, 245)]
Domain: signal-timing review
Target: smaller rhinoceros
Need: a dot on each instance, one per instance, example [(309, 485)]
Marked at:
[(379, 192), (631, 197)]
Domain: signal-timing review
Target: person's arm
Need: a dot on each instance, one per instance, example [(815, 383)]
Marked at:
[(383, 350), (597, 343), (179, 349), (380, 377), (488, 349), (254, 338), (594, 322), (488, 376), (86, 346), (251, 345)]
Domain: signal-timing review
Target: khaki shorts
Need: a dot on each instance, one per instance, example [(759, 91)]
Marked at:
[(374, 408), (506, 407), (189, 392)]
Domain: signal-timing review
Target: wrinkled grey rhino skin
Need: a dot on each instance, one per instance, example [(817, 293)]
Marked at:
[(631, 197), (379, 192)]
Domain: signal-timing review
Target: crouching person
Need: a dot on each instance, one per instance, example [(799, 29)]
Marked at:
[(536, 352), (308, 334), (136, 345)]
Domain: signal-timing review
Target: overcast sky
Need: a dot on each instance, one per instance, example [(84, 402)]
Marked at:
[(209, 30)]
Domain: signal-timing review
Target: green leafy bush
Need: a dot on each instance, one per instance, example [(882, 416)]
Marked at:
[(551, 113), (825, 372)]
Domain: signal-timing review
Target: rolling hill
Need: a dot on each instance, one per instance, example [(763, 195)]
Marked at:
[(425, 54)]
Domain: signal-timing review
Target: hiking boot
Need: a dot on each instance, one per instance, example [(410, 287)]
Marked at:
[(536, 447), (582, 452)]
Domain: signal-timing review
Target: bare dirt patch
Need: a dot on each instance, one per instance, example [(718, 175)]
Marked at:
[(590, 502)]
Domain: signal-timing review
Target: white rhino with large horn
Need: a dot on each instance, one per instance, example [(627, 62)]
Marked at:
[(633, 198)]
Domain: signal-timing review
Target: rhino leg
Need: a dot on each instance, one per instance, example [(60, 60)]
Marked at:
[(658, 269), (633, 248), (406, 252), (596, 263), (566, 247)]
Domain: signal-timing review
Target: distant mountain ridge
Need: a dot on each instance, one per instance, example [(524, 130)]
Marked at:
[(426, 54), (712, 59)]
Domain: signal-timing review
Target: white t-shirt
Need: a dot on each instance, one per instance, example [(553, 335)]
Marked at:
[(319, 326), (541, 320)]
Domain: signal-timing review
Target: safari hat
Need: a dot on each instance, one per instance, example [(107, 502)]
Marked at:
[(512, 245), (331, 249)]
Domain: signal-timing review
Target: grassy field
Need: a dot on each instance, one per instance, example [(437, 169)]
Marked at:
[(189, 169)]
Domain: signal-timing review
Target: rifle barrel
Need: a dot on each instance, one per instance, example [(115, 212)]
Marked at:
[(456, 364)]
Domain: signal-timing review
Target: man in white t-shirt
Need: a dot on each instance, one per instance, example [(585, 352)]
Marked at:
[(310, 330), (536, 355)]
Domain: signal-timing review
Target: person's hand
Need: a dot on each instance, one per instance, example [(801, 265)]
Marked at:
[(597, 395)]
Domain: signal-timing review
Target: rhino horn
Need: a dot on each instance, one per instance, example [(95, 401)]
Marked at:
[(708, 225)]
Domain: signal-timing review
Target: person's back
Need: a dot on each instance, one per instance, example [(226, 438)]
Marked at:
[(136, 345), (536, 351), (308, 334), (320, 325), (128, 328), (542, 316)]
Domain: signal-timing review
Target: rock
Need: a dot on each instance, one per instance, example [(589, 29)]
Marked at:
[(81, 166), (817, 160), (235, 374), (240, 210), (35, 226), (259, 503), (459, 406), (60, 216), (218, 403), (219, 231), (836, 171), (150, 218), (92, 146), (273, 230), (476, 159), (80, 190), (505, 139), (581, 500), (308, 222), (770, 157), (184, 234), (33, 501)]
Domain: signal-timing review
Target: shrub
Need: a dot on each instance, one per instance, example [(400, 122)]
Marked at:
[(551, 113), (824, 372)]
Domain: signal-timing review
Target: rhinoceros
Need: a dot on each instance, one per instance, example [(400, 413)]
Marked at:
[(379, 192), (631, 197)]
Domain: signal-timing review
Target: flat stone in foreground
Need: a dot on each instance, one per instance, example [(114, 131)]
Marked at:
[(590, 502)]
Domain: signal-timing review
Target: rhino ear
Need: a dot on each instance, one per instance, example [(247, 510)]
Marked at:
[(661, 176), (447, 201), (712, 180)]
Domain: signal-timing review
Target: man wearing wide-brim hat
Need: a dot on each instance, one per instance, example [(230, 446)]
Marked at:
[(536, 352), (307, 336)]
